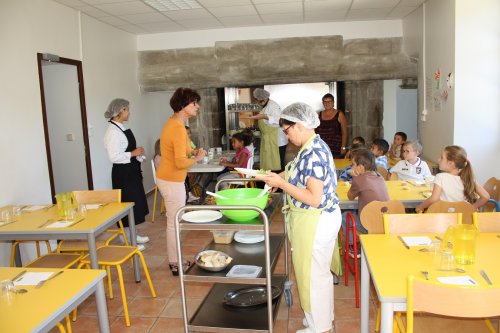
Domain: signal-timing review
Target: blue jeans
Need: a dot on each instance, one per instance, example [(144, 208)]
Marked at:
[(359, 227)]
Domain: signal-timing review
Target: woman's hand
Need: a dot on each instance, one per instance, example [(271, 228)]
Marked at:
[(139, 151), (274, 180), (200, 154)]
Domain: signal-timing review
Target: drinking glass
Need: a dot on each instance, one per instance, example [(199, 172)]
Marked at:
[(16, 211), (82, 210), (6, 215), (447, 262), (7, 289)]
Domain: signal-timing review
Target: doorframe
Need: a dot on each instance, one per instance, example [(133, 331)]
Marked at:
[(83, 114)]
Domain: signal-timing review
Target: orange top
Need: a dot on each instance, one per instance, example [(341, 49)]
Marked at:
[(175, 151)]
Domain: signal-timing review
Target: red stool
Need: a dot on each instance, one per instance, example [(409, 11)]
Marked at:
[(351, 252)]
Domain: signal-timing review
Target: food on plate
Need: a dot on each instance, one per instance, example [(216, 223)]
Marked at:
[(262, 172), (215, 259)]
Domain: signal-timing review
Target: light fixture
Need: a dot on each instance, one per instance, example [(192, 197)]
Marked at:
[(170, 5)]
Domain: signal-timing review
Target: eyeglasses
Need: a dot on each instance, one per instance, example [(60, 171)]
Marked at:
[(287, 129)]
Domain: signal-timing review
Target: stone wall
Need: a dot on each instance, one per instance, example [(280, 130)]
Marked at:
[(275, 61)]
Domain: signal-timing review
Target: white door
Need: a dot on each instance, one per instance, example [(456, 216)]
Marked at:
[(64, 125)]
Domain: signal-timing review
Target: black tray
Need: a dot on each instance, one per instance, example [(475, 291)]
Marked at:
[(251, 296)]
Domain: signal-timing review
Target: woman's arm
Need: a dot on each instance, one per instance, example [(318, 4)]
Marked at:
[(484, 196), (436, 194), (343, 126), (311, 195)]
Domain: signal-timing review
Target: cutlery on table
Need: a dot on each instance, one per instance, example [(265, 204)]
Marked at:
[(45, 223), (402, 241), (426, 274), (3, 225), (41, 283), (18, 276), (458, 270), (80, 220), (485, 276)]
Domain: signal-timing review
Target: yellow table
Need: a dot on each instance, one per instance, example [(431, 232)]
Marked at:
[(342, 163), (40, 309), (28, 226), (388, 263), (410, 195)]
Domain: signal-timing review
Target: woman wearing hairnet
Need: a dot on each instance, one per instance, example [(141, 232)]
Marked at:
[(126, 157), (313, 218), (273, 141)]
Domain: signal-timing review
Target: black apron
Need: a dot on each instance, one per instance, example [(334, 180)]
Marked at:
[(128, 178)]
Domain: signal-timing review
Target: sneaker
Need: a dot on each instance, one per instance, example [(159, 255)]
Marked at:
[(192, 197), (335, 281), (141, 247), (142, 239), (304, 322), (305, 330)]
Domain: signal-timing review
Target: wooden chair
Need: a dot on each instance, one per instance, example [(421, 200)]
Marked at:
[(383, 172), (453, 207), (115, 256), (436, 223), (95, 197), (492, 186), (487, 221), (372, 214), (447, 302), (16, 243), (162, 205)]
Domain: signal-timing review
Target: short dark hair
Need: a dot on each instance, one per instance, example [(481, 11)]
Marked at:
[(242, 137), (364, 157), (182, 97), (382, 145), (328, 96), (402, 134), (360, 139), (284, 121)]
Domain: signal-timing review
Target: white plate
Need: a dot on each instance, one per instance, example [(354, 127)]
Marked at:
[(202, 216), (250, 172), (249, 237)]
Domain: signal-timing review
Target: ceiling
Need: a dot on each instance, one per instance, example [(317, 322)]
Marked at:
[(137, 17)]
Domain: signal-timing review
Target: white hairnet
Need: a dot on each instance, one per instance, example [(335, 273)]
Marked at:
[(301, 113), (261, 94), (115, 107)]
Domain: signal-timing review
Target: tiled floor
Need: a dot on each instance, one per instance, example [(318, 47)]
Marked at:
[(163, 313)]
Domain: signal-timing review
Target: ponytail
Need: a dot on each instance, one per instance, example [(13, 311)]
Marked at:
[(458, 155)]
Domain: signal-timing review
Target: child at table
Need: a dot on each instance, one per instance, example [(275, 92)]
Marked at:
[(239, 141), (456, 182), (346, 173), (379, 148), (358, 141), (411, 167), (367, 184), (397, 144)]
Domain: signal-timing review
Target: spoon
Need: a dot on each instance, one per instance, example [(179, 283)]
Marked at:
[(217, 195), (21, 291), (266, 188), (458, 270)]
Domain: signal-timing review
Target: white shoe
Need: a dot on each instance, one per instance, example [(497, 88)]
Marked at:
[(192, 197), (305, 330), (142, 239), (304, 322), (141, 247)]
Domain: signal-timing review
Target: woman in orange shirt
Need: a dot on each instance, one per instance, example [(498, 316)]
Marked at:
[(175, 161)]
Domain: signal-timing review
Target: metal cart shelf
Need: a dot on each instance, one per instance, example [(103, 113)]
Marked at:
[(212, 315)]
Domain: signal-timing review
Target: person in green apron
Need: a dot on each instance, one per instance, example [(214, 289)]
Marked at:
[(313, 216), (273, 141)]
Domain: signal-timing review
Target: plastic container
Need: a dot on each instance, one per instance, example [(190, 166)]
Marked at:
[(223, 236)]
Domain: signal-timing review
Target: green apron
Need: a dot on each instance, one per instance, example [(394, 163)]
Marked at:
[(301, 227), (269, 151)]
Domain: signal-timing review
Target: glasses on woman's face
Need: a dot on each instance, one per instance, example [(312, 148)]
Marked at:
[(287, 129)]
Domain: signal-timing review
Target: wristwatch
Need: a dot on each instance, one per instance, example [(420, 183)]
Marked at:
[(343, 148)]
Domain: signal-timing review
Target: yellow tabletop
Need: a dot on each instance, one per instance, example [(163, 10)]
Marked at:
[(389, 263), (342, 163), (30, 222), (410, 195), (40, 309)]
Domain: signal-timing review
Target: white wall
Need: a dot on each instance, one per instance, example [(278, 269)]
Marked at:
[(207, 38), (477, 84)]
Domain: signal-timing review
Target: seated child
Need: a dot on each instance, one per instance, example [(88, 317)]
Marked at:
[(395, 150), (239, 141), (456, 182), (379, 149), (356, 142), (346, 173), (367, 184), (411, 167)]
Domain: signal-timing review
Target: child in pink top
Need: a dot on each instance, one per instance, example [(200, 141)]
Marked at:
[(239, 142)]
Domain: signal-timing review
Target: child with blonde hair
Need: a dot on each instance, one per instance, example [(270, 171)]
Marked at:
[(456, 182), (411, 167)]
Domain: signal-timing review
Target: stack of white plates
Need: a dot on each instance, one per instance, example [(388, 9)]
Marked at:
[(249, 237)]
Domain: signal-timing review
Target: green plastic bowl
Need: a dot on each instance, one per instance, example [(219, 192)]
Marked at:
[(242, 197)]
